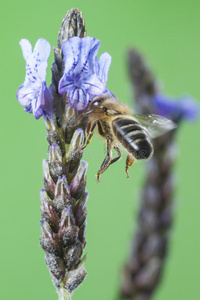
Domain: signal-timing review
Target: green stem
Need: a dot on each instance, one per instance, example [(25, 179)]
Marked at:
[(63, 294)]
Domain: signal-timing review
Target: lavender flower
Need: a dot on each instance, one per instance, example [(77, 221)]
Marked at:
[(84, 76), (184, 108), (33, 92)]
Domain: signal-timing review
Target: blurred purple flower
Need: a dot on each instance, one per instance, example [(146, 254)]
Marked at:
[(176, 110), (84, 76), (33, 92)]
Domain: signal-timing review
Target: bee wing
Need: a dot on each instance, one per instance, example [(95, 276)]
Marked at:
[(155, 125)]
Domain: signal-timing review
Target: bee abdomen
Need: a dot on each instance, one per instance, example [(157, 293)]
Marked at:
[(133, 137)]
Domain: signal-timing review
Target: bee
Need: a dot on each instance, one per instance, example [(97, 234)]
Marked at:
[(119, 127)]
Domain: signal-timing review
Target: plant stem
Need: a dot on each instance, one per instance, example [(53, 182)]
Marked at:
[(63, 294)]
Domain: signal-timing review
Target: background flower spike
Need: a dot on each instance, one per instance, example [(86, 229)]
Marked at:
[(145, 265)]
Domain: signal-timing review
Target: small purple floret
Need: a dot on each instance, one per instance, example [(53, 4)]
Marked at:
[(42, 222), (84, 76), (176, 110), (33, 92)]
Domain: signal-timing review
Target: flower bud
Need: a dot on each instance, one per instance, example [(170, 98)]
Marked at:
[(56, 265), (75, 278), (48, 212), (149, 275), (75, 152), (77, 185), (73, 24), (62, 194), (68, 230), (49, 184), (55, 162), (81, 234), (72, 255), (58, 60), (80, 210), (48, 241)]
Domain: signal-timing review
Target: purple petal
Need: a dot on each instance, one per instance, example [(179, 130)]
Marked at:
[(37, 98), (25, 94), (36, 62), (42, 50), (40, 56), (37, 110), (80, 57), (84, 54), (104, 65), (48, 100), (190, 109), (163, 105), (26, 48), (71, 53), (83, 76), (185, 108), (33, 92), (90, 47), (65, 84), (28, 108), (109, 94), (78, 99), (94, 85), (43, 104)]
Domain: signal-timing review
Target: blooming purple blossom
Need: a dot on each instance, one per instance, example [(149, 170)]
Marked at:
[(84, 76), (184, 108), (33, 92)]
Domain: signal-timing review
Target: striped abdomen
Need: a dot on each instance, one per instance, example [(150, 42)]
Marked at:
[(133, 137)]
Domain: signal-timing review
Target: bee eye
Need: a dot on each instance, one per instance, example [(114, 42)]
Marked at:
[(96, 103)]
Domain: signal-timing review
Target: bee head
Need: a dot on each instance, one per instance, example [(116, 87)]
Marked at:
[(106, 106), (97, 106)]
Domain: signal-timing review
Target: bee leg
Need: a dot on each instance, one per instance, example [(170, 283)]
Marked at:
[(90, 133), (118, 157), (129, 163), (107, 160), (88, 128)]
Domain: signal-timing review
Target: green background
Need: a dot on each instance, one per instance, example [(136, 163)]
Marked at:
[(168, 34)]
